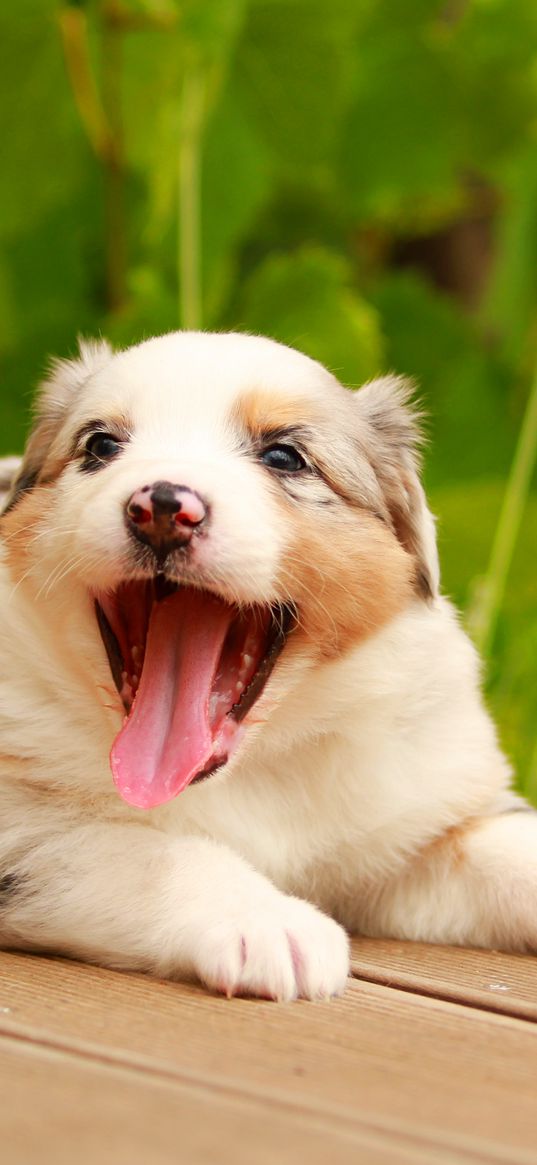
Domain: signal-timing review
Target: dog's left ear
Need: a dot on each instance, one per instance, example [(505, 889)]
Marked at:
[(9, 468), (394, 439), (66, 378)]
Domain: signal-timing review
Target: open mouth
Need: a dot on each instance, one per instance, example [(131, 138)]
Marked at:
[(188, 667)]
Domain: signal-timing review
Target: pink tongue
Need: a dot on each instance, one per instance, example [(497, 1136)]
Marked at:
[(167, 740)]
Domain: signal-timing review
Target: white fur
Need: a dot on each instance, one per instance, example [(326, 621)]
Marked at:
[(338, 802)]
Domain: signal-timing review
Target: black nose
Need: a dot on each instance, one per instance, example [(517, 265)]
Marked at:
[(164, 516)]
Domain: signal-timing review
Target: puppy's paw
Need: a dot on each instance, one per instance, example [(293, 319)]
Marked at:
[(282, 950)]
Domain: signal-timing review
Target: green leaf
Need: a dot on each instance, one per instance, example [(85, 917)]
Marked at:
[(293, 71), (401, 137), (44, 154), (307, 300), (510, 306), (463, 382), (494, 62), (237, 181)]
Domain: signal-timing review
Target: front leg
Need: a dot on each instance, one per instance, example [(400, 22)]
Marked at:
[(474, 886), (129, 896)]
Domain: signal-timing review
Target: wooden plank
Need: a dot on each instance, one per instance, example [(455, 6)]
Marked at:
[(418, 1069), (490, 980), (57, 1109)]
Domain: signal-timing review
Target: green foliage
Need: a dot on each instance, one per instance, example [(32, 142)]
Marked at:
[(462, 381), (306, 299), (509, 308), (401, 137), (468, 513), (358, 179)]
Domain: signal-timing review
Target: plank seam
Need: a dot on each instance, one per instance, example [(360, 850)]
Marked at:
[(484, 1154), (432, 991)]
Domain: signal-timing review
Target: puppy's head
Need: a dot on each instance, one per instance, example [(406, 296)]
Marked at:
[(226, 509)]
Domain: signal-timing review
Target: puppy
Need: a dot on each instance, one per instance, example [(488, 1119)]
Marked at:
[(237, 720)]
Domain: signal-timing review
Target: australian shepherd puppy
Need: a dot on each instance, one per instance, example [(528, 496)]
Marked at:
[(237, 720)]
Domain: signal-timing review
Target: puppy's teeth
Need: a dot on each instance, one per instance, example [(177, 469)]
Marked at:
[(247, 661), (136, 653), (238, 686)]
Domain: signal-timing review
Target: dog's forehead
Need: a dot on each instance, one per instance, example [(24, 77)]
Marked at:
[(185, 378)]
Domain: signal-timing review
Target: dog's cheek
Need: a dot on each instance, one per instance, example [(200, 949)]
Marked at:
[(246, 536), (90, 529), (21, 529), (47, 534), (348, 577)]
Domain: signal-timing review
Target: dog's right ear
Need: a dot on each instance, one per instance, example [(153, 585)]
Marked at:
[(65, 379)]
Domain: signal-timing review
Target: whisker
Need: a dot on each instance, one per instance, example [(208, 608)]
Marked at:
[(64, 568), (288, 577)]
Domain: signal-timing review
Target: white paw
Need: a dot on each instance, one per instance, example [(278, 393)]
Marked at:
[(282, 949)]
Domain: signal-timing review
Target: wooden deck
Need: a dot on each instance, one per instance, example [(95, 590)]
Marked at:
[(430, 1056)]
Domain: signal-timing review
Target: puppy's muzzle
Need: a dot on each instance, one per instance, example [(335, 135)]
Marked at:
[(165, 516)]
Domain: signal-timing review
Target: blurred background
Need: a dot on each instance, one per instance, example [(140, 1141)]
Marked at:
[(357, 178)]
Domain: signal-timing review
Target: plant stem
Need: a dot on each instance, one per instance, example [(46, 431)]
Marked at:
[(485, 615), (114, 170), (100, 114), (74, 33), (190, 145)]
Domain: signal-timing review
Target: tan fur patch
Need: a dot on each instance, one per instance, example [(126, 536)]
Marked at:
[(450, 845), (260, 410), (18, 525), (348, 576), (344, 567)]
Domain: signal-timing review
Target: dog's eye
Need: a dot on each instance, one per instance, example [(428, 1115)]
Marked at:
[(283, 457), (103, 446)]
